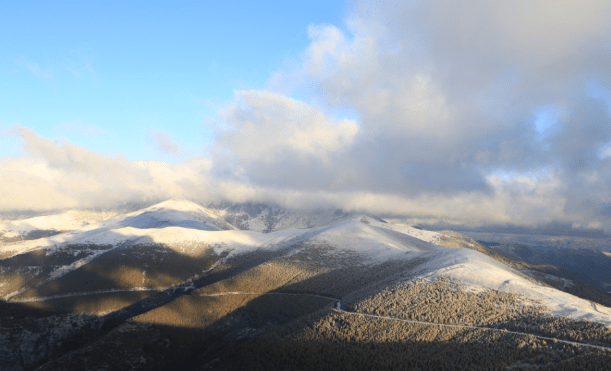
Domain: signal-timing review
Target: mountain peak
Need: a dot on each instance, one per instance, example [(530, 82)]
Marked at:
[(177, 204)]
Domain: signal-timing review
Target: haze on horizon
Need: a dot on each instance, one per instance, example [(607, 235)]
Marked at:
[(475, 113)]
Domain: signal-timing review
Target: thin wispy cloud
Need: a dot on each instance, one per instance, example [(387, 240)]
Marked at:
[(79, 65), (34, 68), (81, 71), (162, 143)]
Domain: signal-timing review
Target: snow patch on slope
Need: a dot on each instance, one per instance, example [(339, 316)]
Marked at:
[(62, 270), (420, 234), (377, 243), (479, 272)]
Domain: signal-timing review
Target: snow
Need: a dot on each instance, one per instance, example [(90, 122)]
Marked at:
[(423, 235), (182, 214), (479, 272), (75, 265), (68, 220), (473, 269), (177, 223), (377, 243)]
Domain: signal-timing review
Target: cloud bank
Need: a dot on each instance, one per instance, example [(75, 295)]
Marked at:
[(426, 109)]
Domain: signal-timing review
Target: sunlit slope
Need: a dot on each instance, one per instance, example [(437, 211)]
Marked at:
[(176, 213), (284, 304), (130, 258), (471, 268), (193, 293), (177, 242)]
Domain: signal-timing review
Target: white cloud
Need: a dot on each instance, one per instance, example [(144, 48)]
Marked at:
[(30, 184), (62, 175), (262, 125), (445, 96), (59, 175)]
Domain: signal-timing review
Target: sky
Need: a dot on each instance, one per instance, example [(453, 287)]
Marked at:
[(473, 113)]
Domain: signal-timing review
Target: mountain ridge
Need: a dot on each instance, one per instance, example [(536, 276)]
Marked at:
[(177, 268)]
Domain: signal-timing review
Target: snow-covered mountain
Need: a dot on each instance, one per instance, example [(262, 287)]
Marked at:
[(175, 224), (152, 260), (172, 213), (46, 225)]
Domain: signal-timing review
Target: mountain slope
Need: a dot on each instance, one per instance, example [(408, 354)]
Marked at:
[(189, 230), (176, 282)]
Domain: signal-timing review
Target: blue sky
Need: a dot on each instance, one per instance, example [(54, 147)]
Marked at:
[(113, 75), (470, 113)]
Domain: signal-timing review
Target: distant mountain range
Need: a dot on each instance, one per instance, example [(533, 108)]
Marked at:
[(180, 286)]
